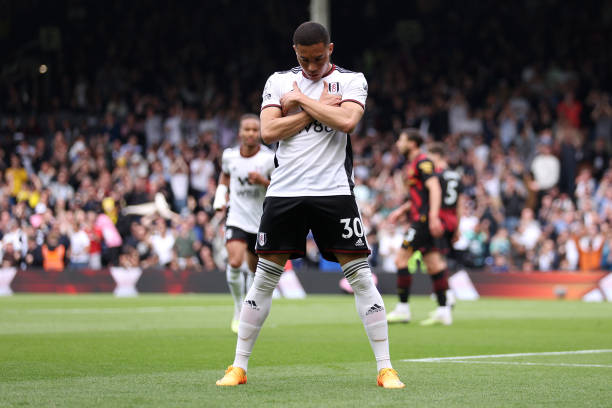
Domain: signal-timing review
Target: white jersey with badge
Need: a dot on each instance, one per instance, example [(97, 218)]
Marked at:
[(245, 199), (318, 160)]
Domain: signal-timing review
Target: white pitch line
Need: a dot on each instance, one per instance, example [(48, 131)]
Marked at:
[(515, 363), (550, 353)]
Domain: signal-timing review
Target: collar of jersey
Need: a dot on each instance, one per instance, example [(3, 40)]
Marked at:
[(332, 69), (251, 155)]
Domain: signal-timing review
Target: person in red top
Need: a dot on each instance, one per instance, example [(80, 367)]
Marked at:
[(426, 232), (570, 109), (95, 238)]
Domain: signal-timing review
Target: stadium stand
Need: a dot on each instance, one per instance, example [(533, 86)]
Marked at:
[(134, 108)]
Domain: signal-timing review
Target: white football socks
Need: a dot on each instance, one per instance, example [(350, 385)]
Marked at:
[(250, 276), (235, 281), (370, 308), (255, 309)]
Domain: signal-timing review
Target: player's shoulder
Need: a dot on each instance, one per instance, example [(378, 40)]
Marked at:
[(264, 153), (286, 74), (265, 150), (449, 173), (347, 74), (343, 70), (425, 164), (231, 152), (294, 70)]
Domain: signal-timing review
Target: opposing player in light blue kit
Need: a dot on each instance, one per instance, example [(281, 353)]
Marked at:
[(310, 111), (245, 171)]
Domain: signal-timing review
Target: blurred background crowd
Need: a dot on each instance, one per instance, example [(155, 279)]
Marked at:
[(113, 122)]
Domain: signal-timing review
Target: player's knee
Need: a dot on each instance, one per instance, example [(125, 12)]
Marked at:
[(234, 263), (434, 263)]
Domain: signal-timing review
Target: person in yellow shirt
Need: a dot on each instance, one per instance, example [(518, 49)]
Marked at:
[(15, 175)]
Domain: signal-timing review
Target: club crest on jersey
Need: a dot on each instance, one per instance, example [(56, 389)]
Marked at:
[(333, 87), (261, 238)]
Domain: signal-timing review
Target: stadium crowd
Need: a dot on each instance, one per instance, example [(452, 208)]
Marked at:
[(122, 167)]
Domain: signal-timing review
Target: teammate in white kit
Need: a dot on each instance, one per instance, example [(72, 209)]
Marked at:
[(311, 110), (246, 170)]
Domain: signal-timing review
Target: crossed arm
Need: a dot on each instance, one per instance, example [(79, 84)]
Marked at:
[(327, 109)]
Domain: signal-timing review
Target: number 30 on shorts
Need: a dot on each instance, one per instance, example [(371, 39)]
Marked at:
[(356, 228)]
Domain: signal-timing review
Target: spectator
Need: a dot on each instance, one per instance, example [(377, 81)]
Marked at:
[(569, 110), (61, 191), (546, 168), (528, 232), (15, 176), (606, 255), (477, 245), (186, 246), (179, 182), (201, 171), (53, 253), (547, 258), (112, 241), (500, 243), (79, 246), (590, 247), (95, 236), (162, 243)]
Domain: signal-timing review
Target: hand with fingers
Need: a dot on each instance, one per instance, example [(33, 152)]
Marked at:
[(290, 101), (327, 98)]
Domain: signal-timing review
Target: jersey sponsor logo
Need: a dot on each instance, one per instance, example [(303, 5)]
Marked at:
[(359, 242), (262, 238), (249, 193), (244, 180), (375, 308), (317, 127), (333, 87)]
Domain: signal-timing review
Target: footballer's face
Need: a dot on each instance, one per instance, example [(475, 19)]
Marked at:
[(314, 59), (249, 132), (404, 145)]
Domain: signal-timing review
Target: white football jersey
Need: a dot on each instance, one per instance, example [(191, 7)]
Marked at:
[(245, 199), (318, 160)]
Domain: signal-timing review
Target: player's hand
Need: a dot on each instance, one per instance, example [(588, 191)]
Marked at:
[(435, 227), (455, 237), (255, 178), (328, 99), (290, 101)]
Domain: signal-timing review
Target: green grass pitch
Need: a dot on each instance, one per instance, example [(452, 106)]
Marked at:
[(98, 351)]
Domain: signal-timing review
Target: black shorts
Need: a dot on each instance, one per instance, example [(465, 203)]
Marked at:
[(335, 223), (236, 234), (419, 238)]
